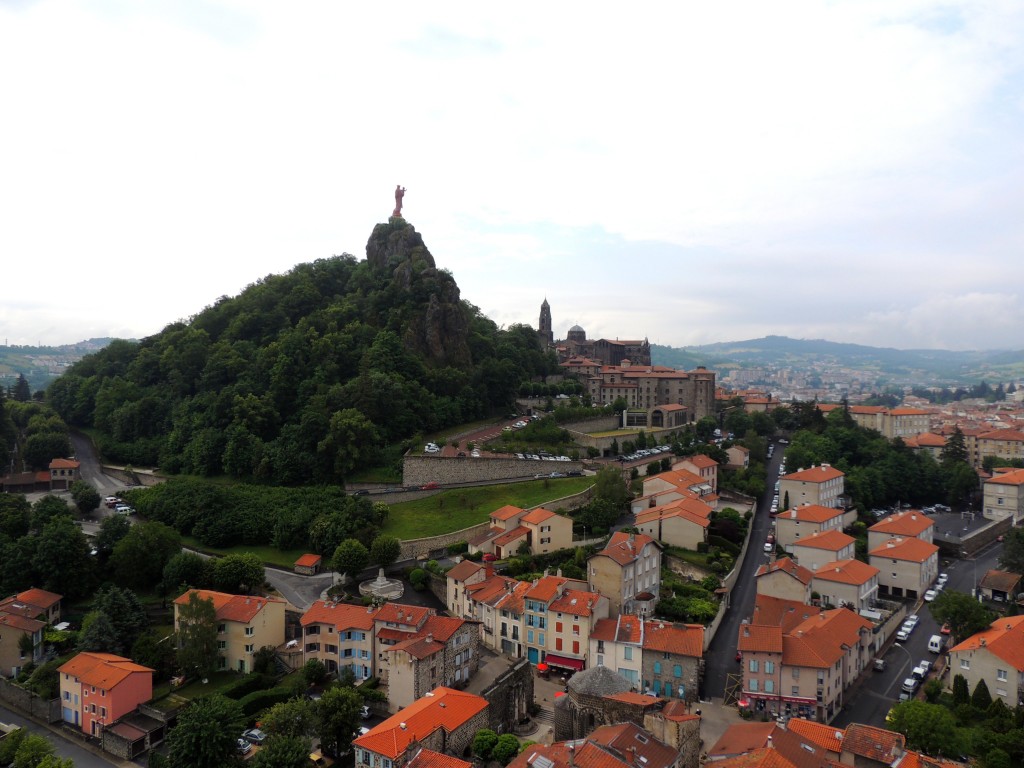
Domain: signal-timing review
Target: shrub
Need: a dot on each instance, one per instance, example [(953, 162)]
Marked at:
[(483, 743), (257, 701), (418, 578), (506, 748), (248, 684)]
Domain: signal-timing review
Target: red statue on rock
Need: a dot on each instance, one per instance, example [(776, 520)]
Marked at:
[(399, 194)]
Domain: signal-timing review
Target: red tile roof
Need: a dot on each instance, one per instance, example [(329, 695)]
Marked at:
[(575, 602), (419, 647), (818, 642), (681, 639), (629, 739), (428, 758), (701, 461), (624, 628), (826, 736), (341, 616), (462, 571), (520, 532), (545, 588), (830, 540), (817, 474), (909, 549), (910, 523), (759, 639), (420, 719), (811, 513), (240, 608), (777, 612), (308, 561), (64, 464), (22, 623), (39, 598), (624, 548), (507, 512), (1012, 477), (873, 743), (847, 572), (758, 758), (1004, 639), (741, 738), (396, 613), (103, 670), (787, 565), (538, 516), (632, 697)]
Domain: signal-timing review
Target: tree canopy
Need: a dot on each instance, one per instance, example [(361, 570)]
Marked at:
[(306, 376)]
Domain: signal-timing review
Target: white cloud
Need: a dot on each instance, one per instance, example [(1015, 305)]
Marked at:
[(688, 171)]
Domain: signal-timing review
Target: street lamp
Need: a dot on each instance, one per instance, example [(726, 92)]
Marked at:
[(974, 571)]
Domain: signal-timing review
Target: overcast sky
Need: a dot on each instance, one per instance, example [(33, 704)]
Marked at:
[(687, 171)]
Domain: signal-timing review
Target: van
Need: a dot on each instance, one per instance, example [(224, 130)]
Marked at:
[(919, 673), (936, 643)]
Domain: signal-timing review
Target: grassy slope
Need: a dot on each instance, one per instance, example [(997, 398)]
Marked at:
[(457, 509)]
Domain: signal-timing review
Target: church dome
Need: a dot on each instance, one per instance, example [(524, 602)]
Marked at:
[(576, 329)]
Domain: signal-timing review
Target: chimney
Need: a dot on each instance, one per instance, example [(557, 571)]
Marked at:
[(558, 573), (983, 642), (770, 745), (403, 726), (430, 637), (488, 570)]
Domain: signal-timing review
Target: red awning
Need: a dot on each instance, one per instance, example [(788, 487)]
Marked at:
[(564, 662)]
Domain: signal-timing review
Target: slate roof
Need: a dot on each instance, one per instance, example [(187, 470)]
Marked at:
[(598, 681)]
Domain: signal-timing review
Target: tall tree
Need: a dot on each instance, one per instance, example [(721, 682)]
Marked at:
[(283, 752), (1012, 556), (86, 497), (112, 530), (187, 569), (206, 733), (125, 612), (338, 717), (197, 635), (98, 634), (350, 557), (63, 558), (140, 557), (385, 550), (239, 573), (955, 449), (296, 717), (965, 615)]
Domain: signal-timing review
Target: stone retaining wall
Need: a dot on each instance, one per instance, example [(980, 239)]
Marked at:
[(420, 470), (131, 476), (21, 698)]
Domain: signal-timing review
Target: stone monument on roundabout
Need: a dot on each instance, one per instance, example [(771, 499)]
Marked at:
[(382, 587)]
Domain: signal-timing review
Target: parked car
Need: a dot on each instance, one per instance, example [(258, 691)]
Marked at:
[(943, 578), (768, 546), (930, 595), (903, 635), (365, 712), (254, 736), (431, 486), (242, 746), (880, 665), (111, 501)]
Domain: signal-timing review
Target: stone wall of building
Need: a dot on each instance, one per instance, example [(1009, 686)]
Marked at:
[(509, 697), (449, 470), (460, 741), (689, 679), (683, 736), (576, 714)]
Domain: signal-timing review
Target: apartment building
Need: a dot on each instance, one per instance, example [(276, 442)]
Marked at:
[(847, 583), (23, 617), (1003, 496), (912, 524), (822, 485), (511, 527), (682, 523), (628, 572), (558, 618), (907, 567), (97, 689), (819, 549), (1004, 443), (995, 656), (703, 466), (245, 624), (799, 522), (785, 580), (340, 636)]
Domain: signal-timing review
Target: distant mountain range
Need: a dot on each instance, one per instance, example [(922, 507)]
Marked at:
[(919, 366), (41, 365)]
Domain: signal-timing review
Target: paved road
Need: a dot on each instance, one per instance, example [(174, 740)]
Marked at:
[(881, 690), (63, 746), (90, 468), (720, 658)]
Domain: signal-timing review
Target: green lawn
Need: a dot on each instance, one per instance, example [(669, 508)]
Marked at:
[(460, 508), (284, 558), (218, 681), (616, 433)]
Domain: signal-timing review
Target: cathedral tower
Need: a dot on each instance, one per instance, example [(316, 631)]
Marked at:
[(544, 332)]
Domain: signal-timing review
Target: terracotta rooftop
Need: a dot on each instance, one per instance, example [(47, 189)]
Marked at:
[(787, 565), (19, 622), (519, 532), (819, 641), (64, 464), (308, 561), (873, 743), (442, 708), (826, 736), (831, 540), (624, 628), (681, 639), (538, 516), (700, 461), (506, 512), (1013, 477), (396, 613), (847, 572), (909, 523), (1001, 581), (240, 608), (340, 615), (624, 548), (545, 589), (909, 549), (428, 758), (575, 602), (818, 474), (741, 738), (810, 513), (629, 739), (758, 758), (777, 612), (1004, 639), (462, 571), (103, 670), (759, 639)]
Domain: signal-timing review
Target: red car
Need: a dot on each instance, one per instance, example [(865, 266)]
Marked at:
[(490, 557), (430, 486), (945, 629)]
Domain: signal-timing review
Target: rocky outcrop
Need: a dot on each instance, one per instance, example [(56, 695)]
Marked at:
[(438, 328)]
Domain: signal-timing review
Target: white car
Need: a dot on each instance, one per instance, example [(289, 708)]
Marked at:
[(930, 595), (431, 448), (903, 635), (943, 578), (768, 546)]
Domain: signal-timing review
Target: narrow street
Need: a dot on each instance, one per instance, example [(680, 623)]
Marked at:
[(720, 658)]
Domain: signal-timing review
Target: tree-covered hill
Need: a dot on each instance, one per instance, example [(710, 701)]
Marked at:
[(305, 376)]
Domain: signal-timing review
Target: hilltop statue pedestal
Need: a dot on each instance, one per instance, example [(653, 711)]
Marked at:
[(382, 587)]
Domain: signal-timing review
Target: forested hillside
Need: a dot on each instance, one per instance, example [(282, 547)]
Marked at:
[(305, 376)]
